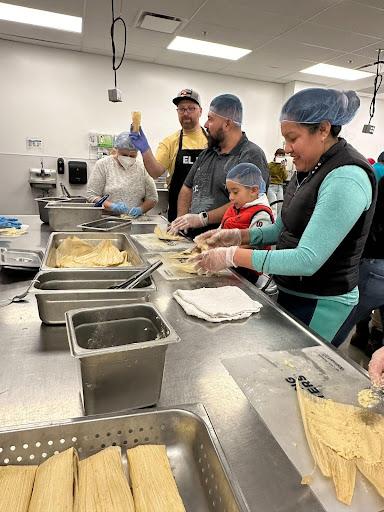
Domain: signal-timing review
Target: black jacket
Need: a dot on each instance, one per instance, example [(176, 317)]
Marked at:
[(374, 247)]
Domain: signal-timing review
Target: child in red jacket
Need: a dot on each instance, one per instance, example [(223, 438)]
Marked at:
[(250, 205)]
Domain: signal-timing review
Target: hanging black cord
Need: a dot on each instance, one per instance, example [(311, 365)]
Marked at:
[(376, 86), (114, 21)]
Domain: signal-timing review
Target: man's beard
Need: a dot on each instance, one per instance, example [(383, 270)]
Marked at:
[(214, 142)]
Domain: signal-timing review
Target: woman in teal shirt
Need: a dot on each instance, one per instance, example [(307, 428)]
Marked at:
[(325, 219)]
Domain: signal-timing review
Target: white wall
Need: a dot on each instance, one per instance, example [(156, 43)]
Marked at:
[(61, 96)]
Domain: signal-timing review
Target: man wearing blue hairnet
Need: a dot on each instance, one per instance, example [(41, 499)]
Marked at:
[(120, 175), (203, 198), (325, 220)]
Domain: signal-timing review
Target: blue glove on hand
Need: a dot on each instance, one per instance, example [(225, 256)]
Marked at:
[(9, 222), (139, 140), (119, 207), (135, 212)]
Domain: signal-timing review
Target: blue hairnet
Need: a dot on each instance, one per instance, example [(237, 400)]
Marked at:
[(228, 106), (315, 105), (124, 142), (248, 175)]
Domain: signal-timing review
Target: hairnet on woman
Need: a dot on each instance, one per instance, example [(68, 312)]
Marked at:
[(325, 219)]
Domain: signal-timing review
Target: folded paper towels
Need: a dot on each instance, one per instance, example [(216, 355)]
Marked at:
[(217, 304)]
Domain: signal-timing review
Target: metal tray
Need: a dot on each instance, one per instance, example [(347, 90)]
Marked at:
[(121, 350), (57, 292), (43, 201), (201, 471), (120, 240), (66, 216), (106, 224), (20, 259)]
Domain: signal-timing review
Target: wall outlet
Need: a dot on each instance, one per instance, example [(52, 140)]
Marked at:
[(34, 143)]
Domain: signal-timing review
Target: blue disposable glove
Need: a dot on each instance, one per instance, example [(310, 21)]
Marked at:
[(9, 222), (135, 212), (139, 140), (119, 207)]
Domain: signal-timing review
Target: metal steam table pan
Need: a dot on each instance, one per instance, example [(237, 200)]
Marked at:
[(202, 474), (121, 350), (66, 216), (57, 292), (106, 224), (120, 240), (20, 259), (43, 201)]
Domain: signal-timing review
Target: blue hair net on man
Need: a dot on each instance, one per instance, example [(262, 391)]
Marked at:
[(248, 175), (315, 105), (228, 106), (123, 141)]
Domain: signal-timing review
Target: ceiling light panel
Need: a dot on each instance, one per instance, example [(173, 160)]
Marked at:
[(37, 17), (197, 46), (336, 72)]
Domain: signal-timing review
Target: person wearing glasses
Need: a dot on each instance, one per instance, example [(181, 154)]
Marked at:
[(177, 152), (203, 198)]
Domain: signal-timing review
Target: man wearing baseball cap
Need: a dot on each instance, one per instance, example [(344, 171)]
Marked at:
[(177, 152)]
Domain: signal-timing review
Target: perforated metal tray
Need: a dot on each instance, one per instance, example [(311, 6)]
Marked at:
[(106, 224), (200, 469)]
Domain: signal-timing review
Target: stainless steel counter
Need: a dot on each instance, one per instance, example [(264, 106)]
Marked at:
[(39, 380)]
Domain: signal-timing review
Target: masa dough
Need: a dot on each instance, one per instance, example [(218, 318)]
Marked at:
[(76, 253), (343, 438), (164, 235)]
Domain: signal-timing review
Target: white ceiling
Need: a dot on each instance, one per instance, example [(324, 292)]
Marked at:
[(284, 35)]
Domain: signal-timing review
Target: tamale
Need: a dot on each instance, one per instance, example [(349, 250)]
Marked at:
[(53, 490), (374, 473), (164, 235), (75, 255), (136, 121), (103, 486), (16, 483), (153, 485)]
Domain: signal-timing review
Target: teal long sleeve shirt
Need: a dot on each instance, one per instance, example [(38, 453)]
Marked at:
[(343, 196)]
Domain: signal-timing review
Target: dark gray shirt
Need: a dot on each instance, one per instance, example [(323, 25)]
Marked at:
[(207, 175)]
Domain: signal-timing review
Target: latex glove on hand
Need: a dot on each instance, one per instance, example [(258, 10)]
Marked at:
[(139, 140), (119, 208), (376, 368), (135, 212), (215, 260), (187, 221), (219, 238), (9, 222)]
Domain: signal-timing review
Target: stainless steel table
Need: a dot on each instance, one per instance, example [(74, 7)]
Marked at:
[(38, 381)]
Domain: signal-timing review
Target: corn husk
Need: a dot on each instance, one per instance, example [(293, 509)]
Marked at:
[(75, 253), (136, 121), (343, 438), (162, 234), (153, 485), (103, 486), (16, 483), (56, 478)]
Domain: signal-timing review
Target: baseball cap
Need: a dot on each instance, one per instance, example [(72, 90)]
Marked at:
[(187, 94)]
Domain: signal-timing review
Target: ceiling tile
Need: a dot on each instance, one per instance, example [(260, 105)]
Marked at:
[(349, 60), (33, 33), (245, 15), (230, 36), (328, 37), (71, 7), (353, 17), (178, 9), (291, 49), (371, 3), (302, 9), (186, 60)]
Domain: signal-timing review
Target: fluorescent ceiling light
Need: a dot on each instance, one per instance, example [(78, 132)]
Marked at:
[(40, 18), (222, 51), (336, 72)]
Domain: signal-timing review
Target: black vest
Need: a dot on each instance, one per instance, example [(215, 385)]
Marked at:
[(340, 273), (374, 247)]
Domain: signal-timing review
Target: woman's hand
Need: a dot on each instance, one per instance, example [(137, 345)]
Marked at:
[(219, 238), (119, 208), (215, 259), (376, 368), (135, 212)]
